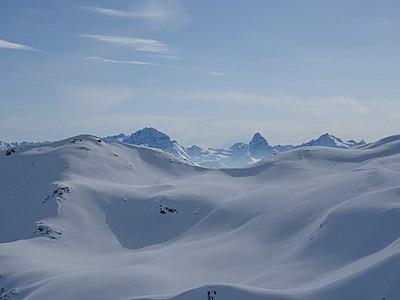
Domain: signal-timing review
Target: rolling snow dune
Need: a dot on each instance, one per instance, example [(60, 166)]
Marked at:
[(88, 219)]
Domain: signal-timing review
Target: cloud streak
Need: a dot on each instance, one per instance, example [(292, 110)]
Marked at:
[(217, 73), (122, 62), (138, 44), (169, 56), (154, 14), (15, 46)]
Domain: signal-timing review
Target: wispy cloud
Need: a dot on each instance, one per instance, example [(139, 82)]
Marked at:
[(143, 45), (169, 56), (151, 14), (108, 11), (217, 73), (10, 45), (114, 61)]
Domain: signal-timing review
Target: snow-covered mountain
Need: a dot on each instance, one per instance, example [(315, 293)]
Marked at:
[(259, 147), (85, 218), (116, 138), (239, 155), (328, 140), (153, 138)]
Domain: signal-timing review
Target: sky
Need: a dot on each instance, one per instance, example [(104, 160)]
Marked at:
[(205, 72)]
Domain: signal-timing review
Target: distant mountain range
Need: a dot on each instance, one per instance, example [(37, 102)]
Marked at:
[(5, 145), (238, 155)]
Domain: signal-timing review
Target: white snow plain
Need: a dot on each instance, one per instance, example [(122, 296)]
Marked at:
[(88, 219)]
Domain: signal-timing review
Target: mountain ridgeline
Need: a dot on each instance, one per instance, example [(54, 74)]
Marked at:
[(237, 156)]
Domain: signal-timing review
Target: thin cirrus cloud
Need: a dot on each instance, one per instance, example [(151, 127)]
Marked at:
[(115, 61), (153, 14), (217, 73), (169, 56), (138, 44), (15, 46)]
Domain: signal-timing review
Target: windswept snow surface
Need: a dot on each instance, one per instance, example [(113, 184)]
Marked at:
[(88, 219)]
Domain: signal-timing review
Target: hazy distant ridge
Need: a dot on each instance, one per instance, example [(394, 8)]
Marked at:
[(238, 155)]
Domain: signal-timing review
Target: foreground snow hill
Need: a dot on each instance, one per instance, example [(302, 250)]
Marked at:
[(88, 219)]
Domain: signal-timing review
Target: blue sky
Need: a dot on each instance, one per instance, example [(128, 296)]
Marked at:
[(206, 72)]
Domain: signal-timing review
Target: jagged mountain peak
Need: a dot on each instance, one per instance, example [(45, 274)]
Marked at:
[(353, 143), (329, 140), (239, 145), (116, 138), (150, 137), (259, 147), (150, 132), (329, 137), (258, 140)]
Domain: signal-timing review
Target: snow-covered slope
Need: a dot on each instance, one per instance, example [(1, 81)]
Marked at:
[(88, 219), (238, 156)]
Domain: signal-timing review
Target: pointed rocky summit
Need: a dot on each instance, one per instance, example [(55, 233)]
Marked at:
[(150, 137), (259, 147)]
